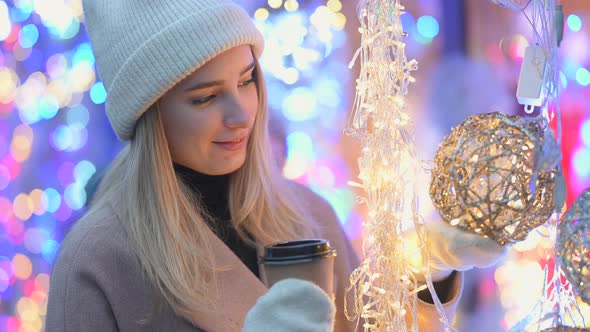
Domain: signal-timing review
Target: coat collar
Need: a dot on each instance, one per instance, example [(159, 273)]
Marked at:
[(236, 291)]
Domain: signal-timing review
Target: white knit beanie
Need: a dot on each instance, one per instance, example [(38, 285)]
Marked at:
[(144, 47)]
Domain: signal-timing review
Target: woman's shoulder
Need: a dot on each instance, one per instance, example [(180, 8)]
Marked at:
[(97, 281), (318, 209), (312, 201), (96, 240)]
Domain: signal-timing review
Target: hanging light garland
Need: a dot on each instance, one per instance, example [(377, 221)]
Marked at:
[(383, 286)]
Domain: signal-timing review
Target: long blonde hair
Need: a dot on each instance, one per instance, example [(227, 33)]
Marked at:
[(165, 221)]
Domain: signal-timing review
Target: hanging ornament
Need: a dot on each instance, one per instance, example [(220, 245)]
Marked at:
[(488, 178), (538, 87), (573, 245)]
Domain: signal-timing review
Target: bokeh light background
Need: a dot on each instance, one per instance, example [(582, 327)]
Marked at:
[(54, 134)]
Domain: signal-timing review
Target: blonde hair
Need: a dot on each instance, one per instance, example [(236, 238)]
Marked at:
[(165, 221)]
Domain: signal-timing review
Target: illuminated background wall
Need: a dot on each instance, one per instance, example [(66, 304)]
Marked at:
[(54, 134)]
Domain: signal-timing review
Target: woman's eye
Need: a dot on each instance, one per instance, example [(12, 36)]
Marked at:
[(202, 100), (248, 82)]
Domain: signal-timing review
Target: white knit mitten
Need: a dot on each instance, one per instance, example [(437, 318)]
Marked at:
[(450, 248), (292, 305)]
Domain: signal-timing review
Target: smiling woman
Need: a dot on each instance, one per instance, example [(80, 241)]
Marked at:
[(208, 117), (171, 238)]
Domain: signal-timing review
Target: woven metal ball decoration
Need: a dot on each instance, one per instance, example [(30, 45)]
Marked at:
[(573, 245), (485, 180)]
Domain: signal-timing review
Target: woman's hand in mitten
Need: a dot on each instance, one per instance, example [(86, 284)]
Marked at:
[(291, 305), (450, 248)]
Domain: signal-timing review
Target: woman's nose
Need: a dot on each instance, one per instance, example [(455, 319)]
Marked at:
[(236, 114)]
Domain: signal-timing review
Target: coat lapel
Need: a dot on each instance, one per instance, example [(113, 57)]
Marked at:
[(237, 291)]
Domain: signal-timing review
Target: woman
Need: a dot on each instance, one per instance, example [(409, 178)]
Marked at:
[(170, 240)]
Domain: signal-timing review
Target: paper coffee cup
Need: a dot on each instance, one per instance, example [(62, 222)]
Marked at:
[(309, 259)]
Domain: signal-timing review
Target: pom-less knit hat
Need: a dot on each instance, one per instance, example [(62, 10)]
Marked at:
[(144, 47)]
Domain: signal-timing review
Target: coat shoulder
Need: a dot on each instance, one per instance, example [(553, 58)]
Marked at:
[(319, 208), (94, 276), (96, 237)]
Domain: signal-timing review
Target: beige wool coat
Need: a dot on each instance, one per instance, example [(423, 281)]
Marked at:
[(97, 283)]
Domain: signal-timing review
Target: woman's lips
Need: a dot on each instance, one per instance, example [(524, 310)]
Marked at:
[(232, 145)]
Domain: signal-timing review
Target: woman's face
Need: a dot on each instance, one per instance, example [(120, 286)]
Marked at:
[(208, 117)]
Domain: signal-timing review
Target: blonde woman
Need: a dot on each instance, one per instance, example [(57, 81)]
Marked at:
[(170, 241)]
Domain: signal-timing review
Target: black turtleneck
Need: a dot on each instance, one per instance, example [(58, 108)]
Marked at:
[(213, 191)]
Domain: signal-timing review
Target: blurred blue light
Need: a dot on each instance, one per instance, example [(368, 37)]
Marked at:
[(563, 81), (20, 14), (583, 76), (276, 98), (53, 199), (408, 22), (83, 171), (327, 92), (574, 23), (83, 54), (300, 105), (26, 6), (570, 67), (420, 39), (339, 40), (75, 196), (581, 162), (98, 94), (428, 26), (72, 29), (28, 36), (78, 115), (585, 132), (35, 238), (49, 250), (62, 137), (48, 107), (300, 143), (79, 137)]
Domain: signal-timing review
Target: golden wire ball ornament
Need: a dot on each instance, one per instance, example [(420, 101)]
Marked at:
[(573, 245), (487, 178)]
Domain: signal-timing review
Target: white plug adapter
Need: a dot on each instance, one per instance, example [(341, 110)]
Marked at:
[(531, 83)]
